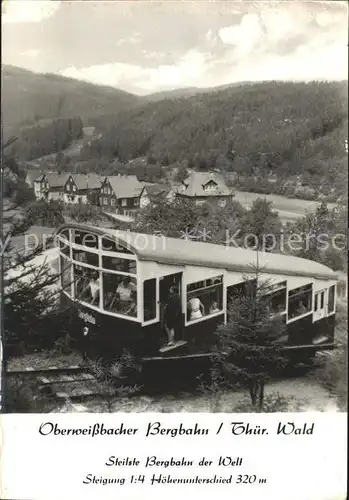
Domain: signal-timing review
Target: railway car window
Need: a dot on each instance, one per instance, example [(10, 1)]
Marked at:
[(66, 280), (331, 299), (299, 301), (316, 302), (277, 296), (120, 294), (65, 234), (278, 301), (116, 264), (319, 301), (246, 288), (64, 248), (85, 257), (149, 298), (85, 239), (86, 284), (204, 298), (109, 245)]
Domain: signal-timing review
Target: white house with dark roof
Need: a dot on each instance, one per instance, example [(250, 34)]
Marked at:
[(205, 187), (50, 186), (123, 194), (81, 188)]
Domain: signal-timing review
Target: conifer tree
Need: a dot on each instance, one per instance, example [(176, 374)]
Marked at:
[(29, 289), (247, 346)]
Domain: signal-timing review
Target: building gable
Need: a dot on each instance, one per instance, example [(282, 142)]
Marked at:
[(126, 186), (210, 183), (204, 184), (70, 185)]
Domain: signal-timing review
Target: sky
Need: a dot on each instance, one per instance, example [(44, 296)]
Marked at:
[(144, 47)]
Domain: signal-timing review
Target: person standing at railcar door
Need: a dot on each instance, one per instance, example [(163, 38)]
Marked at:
[(172, 315)]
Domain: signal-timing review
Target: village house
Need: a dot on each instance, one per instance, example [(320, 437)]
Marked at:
[(205, 188), (157, 193), (50, 186), (123, 194), (81, 188)]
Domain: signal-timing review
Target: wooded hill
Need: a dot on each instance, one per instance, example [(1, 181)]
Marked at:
[(288, 130), (28, 97), (293, 133)]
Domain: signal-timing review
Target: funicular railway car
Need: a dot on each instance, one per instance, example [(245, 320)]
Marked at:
[(120, 282)]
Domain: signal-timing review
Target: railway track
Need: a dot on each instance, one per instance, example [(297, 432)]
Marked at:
[(74, 383)]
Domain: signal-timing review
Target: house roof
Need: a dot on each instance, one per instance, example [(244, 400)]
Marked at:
[(197, 180), (56, 180), (39, 177), (181, 252), (88, 181), (33, 174), (126, 186), (154, 191)]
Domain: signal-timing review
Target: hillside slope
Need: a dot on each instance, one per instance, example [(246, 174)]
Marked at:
[(272, 128), (28, 97)]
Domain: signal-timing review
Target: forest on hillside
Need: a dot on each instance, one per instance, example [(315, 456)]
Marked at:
[(28, 97), (288, 130), (273, 137), (46, 137)]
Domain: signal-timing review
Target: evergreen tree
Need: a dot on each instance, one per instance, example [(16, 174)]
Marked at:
[(323, 235), (169, 219), (44, 213), (30, 312), (247, 347), (260, 224), (182, 172)]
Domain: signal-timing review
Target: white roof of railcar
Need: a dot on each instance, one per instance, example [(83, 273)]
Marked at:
[(176, 251)]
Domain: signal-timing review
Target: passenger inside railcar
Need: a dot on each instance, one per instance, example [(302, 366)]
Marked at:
[(204, 298), (94, 288), (125, 289), (196, 308), (214, 307), (120, 294), (299, 301), (82, 278)]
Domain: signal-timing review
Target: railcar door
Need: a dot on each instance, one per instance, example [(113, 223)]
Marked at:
[(165, 284)]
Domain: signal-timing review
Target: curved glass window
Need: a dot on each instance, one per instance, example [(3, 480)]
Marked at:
[(117, 264), (109, 245), (65, 234), (64, 247), (119, 294), (85, 238), (86, 284), (86, 257), (66, 280)]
